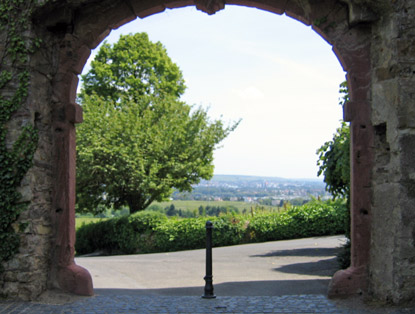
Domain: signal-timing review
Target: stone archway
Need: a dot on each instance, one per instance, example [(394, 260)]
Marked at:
[(333, 24), (357, 30)]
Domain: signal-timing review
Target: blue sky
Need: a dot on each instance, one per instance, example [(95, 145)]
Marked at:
[(276, 74)]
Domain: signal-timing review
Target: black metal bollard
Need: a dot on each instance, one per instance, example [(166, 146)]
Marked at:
[(208, 278)]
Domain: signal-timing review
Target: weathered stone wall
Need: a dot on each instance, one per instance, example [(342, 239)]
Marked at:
[(26, 274), (374, 41), (392, 266)]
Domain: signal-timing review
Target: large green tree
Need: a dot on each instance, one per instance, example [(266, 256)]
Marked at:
[(139, 141)]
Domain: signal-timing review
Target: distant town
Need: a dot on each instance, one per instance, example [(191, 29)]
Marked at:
[(252, 189)]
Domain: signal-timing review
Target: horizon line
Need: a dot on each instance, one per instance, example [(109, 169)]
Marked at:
[(264, 176)]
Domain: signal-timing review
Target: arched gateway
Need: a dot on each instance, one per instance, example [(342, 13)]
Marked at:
[(374, 41)]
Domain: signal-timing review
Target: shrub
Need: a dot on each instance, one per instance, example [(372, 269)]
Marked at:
[(180, 234), (315, 218), (270, 227), (149, 231), (343, 257), (127, 234), (184, 234), (228, 230)]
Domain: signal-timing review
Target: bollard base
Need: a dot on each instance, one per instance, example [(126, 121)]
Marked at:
[(208, 296)]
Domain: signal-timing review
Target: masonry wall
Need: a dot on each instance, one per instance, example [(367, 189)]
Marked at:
[(392, 266), (26, 274)]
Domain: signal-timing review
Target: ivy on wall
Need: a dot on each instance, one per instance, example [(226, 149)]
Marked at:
[(15, 158)]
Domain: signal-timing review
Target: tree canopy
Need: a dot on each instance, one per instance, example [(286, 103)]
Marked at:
[(334, 156), (139, 141), (131, 68)]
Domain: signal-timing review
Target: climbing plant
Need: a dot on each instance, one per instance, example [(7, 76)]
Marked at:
[(15, 155)]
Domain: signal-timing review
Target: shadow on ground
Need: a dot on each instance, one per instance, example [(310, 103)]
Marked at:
[(311, 252), (324, 268), (245, 288)]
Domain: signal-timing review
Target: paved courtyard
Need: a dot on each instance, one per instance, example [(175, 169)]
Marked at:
[(273, 277), (191, 305), (302, 266)]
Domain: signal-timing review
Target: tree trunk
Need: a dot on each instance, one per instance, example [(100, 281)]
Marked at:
[(135, 203)]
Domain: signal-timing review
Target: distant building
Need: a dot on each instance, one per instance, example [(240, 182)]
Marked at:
[(275, 202), (248, 199)]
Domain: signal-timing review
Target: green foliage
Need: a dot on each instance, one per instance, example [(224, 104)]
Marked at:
[(179, 234), (237, 206), (186, 234), (334, 164), (133, 67), (343, 257), (334, 157), (82, 221), (127, 234), (315, 218), (344, 92), (202, 210), (217, 210), (15, 160), (149, 231), (138, 141)]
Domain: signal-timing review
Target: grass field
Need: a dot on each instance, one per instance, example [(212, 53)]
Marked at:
[(194, 205)]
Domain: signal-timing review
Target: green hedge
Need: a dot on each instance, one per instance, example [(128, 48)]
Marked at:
[(312, 219), (147, 232), (123, 235), (190, 233)]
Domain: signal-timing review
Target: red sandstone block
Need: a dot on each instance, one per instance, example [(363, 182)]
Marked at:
[(73, 55), (296, 12), (178, 4), (146, 8), (74, 113), (64, 87), (275, 6), (93, 24)]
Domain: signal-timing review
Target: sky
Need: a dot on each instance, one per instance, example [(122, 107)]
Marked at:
[(274, 73)]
